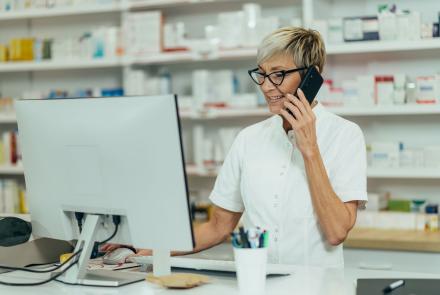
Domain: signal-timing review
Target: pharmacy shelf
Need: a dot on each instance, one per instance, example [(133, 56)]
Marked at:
[(250, 53), (392, 110), (51, 65), (11, 170), (404, 173), (191, 56), (231, 113), (193, 170), (226, 113), (8, 118), (407, 173), (383, 46), (150, 4), (62, 11)]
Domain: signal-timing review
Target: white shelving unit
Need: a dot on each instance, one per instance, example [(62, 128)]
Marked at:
[(262, 112), (54, 65), (225, 55), (8, 118), (189, 56), (405, 173), (11, 170), (160, 4), (377, 173), (210, 114), (383, 46), (394, 110), (57, 12)]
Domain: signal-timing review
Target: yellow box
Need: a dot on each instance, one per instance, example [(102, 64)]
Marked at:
[(21, 49), (4, 53)]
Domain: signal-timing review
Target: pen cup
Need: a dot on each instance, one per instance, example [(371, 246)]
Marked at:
[(250, 264)]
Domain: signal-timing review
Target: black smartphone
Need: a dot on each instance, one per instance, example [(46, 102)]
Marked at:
[(310, 84)]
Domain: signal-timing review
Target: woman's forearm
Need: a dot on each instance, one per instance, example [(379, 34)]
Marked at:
[(215, 231), (335, 217)]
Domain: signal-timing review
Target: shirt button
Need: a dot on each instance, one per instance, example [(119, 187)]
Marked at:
[(275, 205), (275, 239), (276, 230), (276, 196), (282, 173)]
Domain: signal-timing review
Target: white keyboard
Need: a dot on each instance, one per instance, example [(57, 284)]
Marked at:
[(213, 265)]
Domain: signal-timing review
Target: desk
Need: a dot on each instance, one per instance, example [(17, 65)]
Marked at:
[(401, 240), (310, 281)]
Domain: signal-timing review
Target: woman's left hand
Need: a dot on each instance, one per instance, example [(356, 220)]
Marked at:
[(303, 123)]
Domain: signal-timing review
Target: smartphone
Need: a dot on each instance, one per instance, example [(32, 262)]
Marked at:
[(310, 84)]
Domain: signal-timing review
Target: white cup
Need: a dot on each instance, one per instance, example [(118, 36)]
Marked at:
[(250, 264)]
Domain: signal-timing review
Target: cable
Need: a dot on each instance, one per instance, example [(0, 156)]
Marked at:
[(41, 271), (116, 221), (41, 282), (79, 219)]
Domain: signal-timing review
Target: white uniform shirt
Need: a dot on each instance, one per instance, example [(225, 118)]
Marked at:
[(264, 176)]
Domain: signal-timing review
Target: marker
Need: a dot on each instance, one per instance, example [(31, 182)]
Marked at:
[(235, 241), (253, 237), (243, 237), (265, 239), (393, 286)]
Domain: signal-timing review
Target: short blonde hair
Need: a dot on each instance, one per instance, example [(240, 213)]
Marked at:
[(304, 45)]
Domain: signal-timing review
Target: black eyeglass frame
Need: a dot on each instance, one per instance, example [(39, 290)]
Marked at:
[(268, 75)]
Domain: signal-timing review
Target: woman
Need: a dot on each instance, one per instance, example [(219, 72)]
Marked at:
[(301, 176)]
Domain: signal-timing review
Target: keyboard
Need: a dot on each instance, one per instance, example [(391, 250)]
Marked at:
[(213, 265)]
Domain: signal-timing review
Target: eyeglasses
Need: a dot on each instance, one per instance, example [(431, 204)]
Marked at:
[(275, 77)]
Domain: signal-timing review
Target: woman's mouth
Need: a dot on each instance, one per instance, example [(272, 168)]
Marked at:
[(276, 98)]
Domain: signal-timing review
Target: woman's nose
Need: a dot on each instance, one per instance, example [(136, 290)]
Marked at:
[(267, 85)]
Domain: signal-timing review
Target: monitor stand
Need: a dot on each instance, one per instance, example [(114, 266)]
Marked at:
[(80, 275)]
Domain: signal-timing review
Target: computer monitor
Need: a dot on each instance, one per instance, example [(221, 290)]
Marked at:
[(107, 156)]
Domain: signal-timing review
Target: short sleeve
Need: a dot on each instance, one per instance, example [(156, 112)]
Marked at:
[(349, 178), (227, 193)]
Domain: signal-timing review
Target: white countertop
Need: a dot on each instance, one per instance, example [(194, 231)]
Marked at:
[(309, 281)]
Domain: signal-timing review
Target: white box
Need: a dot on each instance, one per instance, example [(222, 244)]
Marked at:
[(384, 90), (202, 88), (335, 31), (385, 154), (366, 89), (426, 89), (144, 32)]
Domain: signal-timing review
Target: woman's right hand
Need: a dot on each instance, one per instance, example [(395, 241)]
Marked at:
[(142, 252), (110, 247)]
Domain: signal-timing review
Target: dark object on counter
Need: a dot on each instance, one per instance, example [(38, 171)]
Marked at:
[(411, 286), (14, 231)]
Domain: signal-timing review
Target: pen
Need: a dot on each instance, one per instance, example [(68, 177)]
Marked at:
[(253, 237), (243, 237), (235, 241), (265, 239), (261, 240), (393, 286)]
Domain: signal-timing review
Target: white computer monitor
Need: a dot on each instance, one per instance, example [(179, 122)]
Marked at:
[(107, 156)]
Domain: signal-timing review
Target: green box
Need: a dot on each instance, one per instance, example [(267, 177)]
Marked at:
[(399, 205)]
